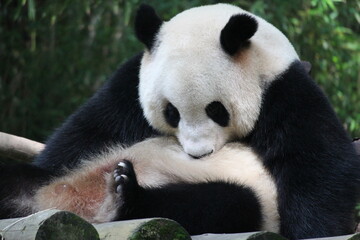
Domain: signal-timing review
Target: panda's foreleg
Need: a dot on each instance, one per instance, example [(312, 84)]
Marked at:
[(208, 207), (18, 184)]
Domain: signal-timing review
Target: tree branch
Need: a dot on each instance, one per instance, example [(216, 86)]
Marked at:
[(19, 148)]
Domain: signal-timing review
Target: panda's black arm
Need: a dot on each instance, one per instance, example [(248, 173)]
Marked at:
[(306, 149), (112, 115), (215, 207), (18, 184)]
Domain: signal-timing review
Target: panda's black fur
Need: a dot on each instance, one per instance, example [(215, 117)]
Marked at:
[(297, 134), (112, 115), (306, 149)]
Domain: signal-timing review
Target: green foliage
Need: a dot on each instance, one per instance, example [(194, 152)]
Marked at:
[(55, 54)]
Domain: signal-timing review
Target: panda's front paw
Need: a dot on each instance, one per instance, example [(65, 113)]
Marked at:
[(125, 185)]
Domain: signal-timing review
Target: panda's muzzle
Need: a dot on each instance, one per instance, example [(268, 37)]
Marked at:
[(201, 156)]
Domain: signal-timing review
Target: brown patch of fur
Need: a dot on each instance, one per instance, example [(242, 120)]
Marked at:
[(81, 192), (242, 56)]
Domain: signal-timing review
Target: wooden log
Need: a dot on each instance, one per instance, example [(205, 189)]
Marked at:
[(55, 224), (240, 236), (48, 225), (355, 236), (19, 148), (142, 229), (264, 236), (61, 225)]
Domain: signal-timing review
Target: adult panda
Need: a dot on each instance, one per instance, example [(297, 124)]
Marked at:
[(215, 74), (257, 93)]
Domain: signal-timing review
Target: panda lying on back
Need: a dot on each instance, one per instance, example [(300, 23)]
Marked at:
[(209, 76)]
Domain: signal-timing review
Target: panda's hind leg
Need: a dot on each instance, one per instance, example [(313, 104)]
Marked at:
[(204, 207), (126, 185), (126, 189)]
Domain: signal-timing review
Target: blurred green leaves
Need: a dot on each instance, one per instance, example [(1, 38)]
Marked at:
[(55, 54)]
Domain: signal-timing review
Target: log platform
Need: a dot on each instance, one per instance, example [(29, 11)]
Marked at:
[(61, 225)]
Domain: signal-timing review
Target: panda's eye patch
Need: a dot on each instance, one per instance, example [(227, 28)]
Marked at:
[(172, 115), (218, 113)]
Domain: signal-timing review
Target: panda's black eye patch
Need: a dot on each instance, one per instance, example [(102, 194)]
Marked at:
[(218, 113), (172, 115)]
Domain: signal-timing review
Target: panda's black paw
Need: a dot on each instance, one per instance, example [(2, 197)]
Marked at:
[(125, 183)]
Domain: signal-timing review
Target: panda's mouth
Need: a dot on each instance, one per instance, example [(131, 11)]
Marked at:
[(204, 155)]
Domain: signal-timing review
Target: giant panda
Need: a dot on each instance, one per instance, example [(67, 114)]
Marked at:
[(215, 74), (212, 75)]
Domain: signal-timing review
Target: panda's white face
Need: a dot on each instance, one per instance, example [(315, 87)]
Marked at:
[(193, 89)]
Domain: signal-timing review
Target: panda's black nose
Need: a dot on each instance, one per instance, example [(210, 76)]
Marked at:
[(201, 156)]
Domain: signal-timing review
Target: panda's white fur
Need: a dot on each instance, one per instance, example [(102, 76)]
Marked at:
[(89, 191), (188, 67)]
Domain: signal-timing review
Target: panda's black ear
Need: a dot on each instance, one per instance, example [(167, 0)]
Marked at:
[(236, 33), (147, 25)]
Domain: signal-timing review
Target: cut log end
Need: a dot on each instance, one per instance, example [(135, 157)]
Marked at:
[(266, 236), (164, 229), (355, 237), (66, 225), (48, 225)]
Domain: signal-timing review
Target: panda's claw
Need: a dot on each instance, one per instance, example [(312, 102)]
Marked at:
[(117, 178), (118, 189), (125, 182), (124, 178), (122, 164)]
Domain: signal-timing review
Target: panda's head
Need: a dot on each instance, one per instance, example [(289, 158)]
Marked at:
[(204, 72)]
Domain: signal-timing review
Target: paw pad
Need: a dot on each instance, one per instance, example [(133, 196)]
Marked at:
[(124, 178)]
